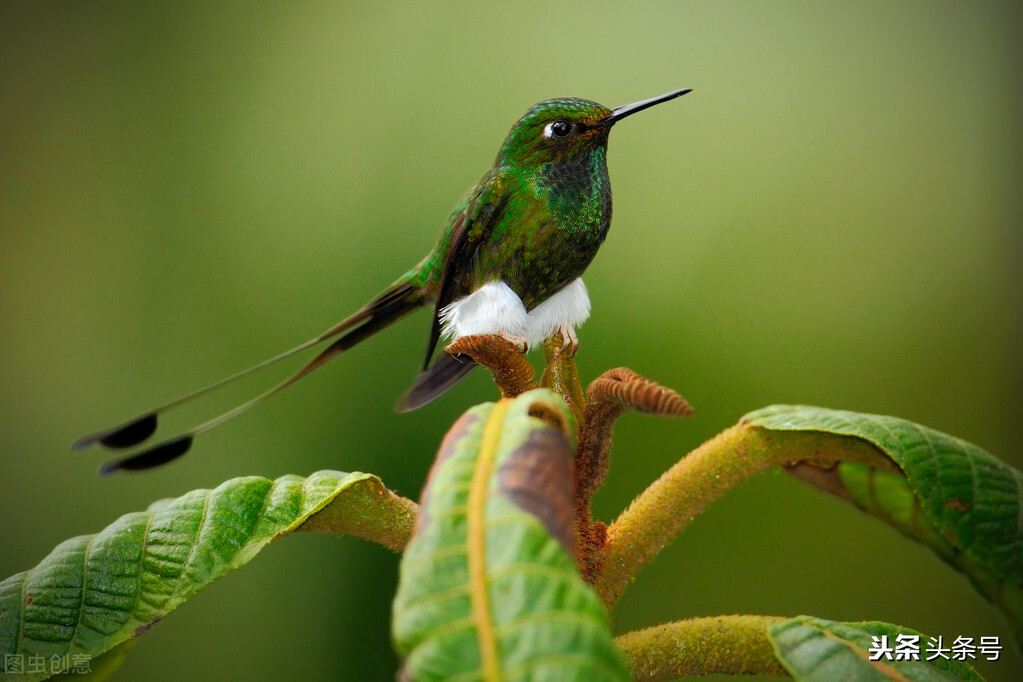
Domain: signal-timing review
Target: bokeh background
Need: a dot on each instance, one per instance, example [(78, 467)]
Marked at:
[(832, 217)]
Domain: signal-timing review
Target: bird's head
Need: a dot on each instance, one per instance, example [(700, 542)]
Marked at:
[(558, 129)]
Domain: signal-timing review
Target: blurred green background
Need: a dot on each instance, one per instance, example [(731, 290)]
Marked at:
[(832, 217)]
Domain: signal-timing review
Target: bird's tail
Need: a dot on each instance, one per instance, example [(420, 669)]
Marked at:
[(446, 371), (397, 301)]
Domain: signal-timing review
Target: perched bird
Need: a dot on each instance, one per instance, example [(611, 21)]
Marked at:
[(508, 263)]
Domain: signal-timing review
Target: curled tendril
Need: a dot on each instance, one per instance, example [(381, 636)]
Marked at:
[(623, 387), (610, 395)]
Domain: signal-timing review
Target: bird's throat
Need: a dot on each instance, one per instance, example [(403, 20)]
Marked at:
[(578, 191)]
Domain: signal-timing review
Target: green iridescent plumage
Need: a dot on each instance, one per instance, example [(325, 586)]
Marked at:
[(528, 229), (537, 218)]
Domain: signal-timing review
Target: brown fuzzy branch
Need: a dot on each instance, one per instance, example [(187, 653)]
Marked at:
[(503, 359), (610, 395)]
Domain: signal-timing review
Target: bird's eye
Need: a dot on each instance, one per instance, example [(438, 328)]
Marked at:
[(559, 129)]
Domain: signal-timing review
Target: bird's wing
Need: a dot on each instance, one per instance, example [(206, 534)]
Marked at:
[(470, 232)]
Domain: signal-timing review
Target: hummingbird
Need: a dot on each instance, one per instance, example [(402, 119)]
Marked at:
[(509, 263)]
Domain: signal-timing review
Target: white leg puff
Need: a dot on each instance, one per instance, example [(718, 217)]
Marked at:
[(495, 309)]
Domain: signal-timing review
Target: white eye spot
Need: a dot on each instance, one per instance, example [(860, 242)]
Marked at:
[(558, 129)]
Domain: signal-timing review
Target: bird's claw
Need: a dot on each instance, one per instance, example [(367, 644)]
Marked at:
[(570, 342), (519, 341)]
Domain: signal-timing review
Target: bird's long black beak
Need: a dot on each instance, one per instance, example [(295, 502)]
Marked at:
[(618, 113)]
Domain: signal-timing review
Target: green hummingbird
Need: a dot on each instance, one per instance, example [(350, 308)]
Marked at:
[(509, 262)]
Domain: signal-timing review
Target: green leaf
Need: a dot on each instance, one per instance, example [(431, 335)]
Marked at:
[(962, 501), (815, 650), (489, 588), (95, 592)]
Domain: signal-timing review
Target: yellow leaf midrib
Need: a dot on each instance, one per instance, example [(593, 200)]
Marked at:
[(477, 554)]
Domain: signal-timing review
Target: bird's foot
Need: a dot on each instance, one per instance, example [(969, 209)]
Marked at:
[(570, 342), (519, 341)]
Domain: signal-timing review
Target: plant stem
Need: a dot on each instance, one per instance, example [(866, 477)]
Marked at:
[(731, 645), (671, 502), (561, 376)]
